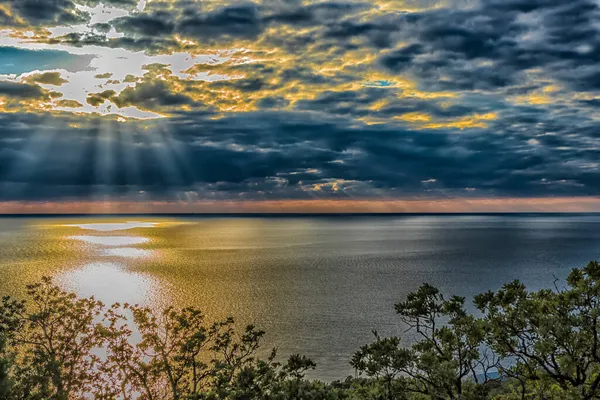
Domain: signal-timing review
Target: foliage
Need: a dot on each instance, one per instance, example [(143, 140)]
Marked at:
[(5, 383), (60, 347), (446, 361), (522, 345), (51, 341), (179, 356), (552, 335)]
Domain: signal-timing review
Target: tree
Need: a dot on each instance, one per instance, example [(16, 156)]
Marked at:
[(295, 370), (52, 338), (551, 334), (178, 356), (5, 382), (447, 360), (165, 362), (385, 360), (449, 357), (232, 354), (60, 347)]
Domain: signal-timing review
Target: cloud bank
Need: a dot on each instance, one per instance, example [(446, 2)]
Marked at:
[(206, 101)]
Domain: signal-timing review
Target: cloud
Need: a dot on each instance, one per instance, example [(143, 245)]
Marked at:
[(69, 104), (151, 96), (53, 12), (500, 44), (49, 12), (96, 99), (21, 91), (193, 156), (303, 100), (47, 78)]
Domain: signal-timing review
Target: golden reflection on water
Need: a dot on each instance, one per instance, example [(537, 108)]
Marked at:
[(104, 259), (110, 283), (246, 268), (129, 252), (114, 226), (113, 281), (111, 240), (154, 262)]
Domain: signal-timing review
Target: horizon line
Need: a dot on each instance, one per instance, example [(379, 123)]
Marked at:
[(292, 214), (316, 206)]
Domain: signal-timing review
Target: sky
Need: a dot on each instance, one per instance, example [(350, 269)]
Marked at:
[(299, 105)]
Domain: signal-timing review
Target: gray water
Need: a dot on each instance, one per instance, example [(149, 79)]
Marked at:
[(317, 285)]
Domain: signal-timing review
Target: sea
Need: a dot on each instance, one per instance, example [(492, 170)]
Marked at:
[(318, 285)]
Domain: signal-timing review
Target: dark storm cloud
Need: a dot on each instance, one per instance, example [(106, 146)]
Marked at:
[(246, 156), (243, 85), (151, 95), (492, 46), (235, 20), (491, 56), (489, 46), (96, 99), (238, 20), (244, 19), (357, 103), (48, 78), (21, 90), (157, 23), (50, 12), (484, 47), (154, 28), (55, 12)]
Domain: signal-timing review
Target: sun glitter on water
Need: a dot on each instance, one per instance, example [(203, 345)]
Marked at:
[(109, 277)]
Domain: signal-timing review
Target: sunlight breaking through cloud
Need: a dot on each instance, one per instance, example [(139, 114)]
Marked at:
[(181, 102)]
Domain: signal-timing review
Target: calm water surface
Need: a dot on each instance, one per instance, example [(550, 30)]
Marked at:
[(317, 285)]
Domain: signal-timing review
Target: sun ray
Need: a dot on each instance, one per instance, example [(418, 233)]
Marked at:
[(32, 155), (105, 165), (130, 157)]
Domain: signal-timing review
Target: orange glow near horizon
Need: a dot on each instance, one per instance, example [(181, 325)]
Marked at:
[(456, 205)]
